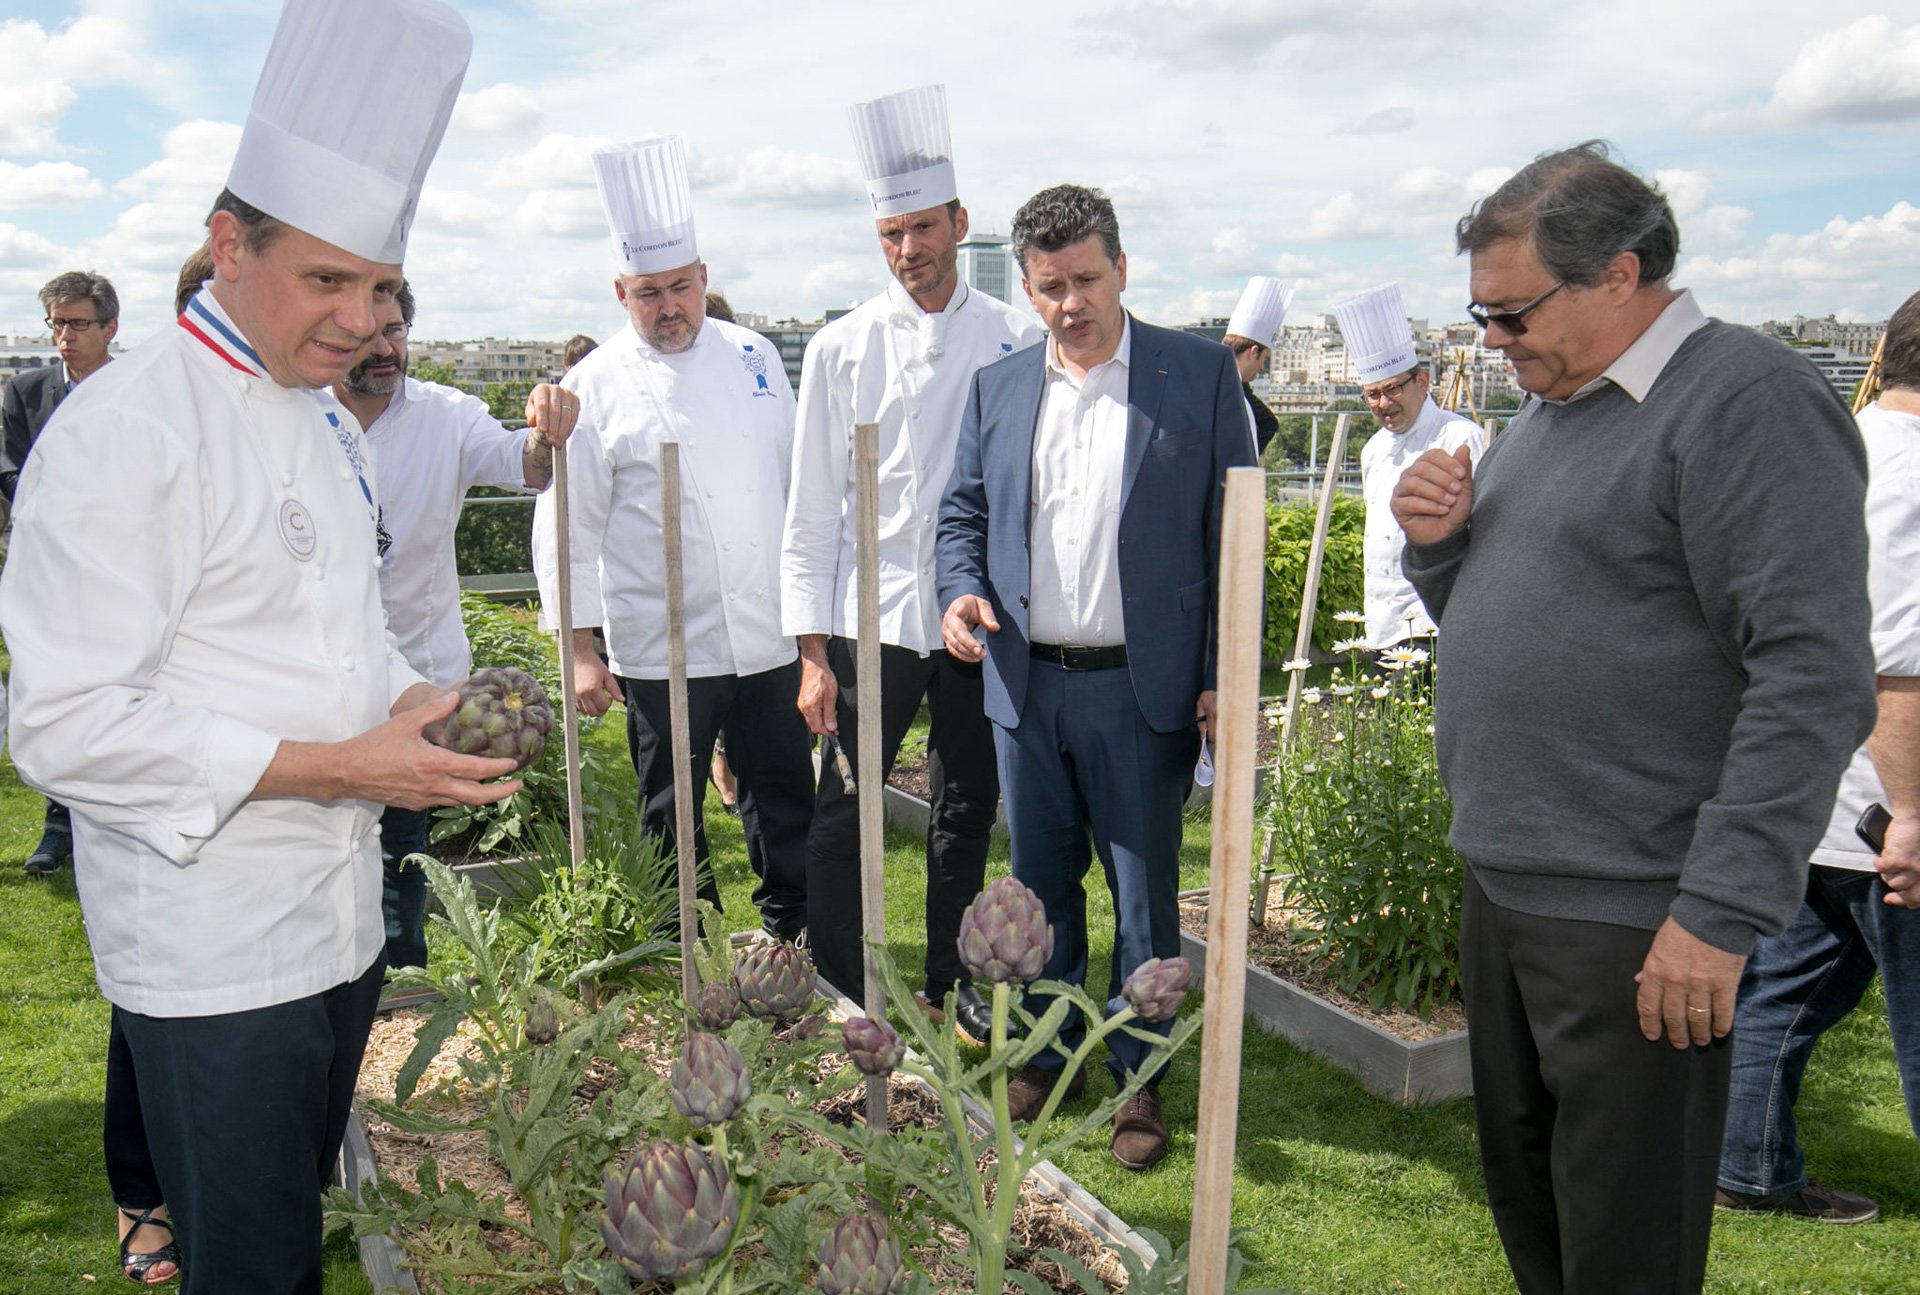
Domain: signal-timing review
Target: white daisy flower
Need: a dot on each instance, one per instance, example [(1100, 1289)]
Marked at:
[(1381, 694), (1311, 696), (1298, 663), (1342, 690), (1351, 618), (1406, 656), (1351, 645)]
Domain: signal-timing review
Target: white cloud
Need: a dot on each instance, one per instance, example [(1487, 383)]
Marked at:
[(836, 283), (1420, 203), (454, 213), (1703, 225), (564, 213), (778, 174), (557, 161), (40, 70), (192, 167), (23, 249), (501, 109), (45, 184), (1868, 71), (1859, 257), (1382, 121)]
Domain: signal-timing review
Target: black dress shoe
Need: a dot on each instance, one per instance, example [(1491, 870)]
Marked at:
[(54, 852), (973, 1017)]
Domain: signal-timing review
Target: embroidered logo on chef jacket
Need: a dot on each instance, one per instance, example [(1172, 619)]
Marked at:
[(756, 365), (1006, 348), (350, 445), (296, 530), (382, 537)]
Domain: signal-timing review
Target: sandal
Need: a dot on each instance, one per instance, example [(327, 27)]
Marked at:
[(140, 1267)]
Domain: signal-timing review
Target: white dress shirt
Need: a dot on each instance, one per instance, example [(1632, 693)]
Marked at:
[(887, 362), (1394, 611), (727, 403), (430, 446), (191, 581), (1893, 584), (1079, 468)]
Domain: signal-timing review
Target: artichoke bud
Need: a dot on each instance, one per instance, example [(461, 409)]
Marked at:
[(1157, 987), (1004, 936), (503, 714), (670, 1210), (543, 1022), (775, 981), (716, 1004), (873, 1046), (860, 1257), (709, 1082)]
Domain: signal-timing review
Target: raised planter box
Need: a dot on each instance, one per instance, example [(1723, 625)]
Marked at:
[(1412, 1074)]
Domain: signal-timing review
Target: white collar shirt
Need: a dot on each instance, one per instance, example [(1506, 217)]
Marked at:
[(1394, 611), (1637, 367), (728, 405), (887, 362), (191, 582), (429, 447), (1079, 469)]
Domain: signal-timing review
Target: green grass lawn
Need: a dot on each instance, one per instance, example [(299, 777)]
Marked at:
[(1335, 1189)]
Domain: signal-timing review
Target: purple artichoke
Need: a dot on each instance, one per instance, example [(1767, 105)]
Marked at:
[(1004, 934), (543, 1022), (669, 1211), (860, 1257), (775, 980), (873, 1046), (503, 714), (716, 1004), (709, 1082), (1157, 987)]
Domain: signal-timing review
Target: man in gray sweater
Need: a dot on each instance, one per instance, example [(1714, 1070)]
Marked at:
[(1653, 595)]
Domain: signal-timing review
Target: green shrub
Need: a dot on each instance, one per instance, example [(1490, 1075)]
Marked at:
[(495, 538), (1342, 575)]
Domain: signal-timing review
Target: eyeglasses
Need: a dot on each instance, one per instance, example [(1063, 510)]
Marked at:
[(1510, 321), (1387, 392), (394, 332), (72, 325)]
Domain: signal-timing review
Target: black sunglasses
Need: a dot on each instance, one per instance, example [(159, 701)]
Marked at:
[(1511, 321)]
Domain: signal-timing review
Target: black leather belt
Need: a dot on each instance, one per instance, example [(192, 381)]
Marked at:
[(1080, 658)]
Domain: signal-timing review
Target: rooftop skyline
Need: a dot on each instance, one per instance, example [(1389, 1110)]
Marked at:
[(1332, 147)]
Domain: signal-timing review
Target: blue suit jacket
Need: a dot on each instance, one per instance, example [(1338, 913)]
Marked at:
[(1186, 425)]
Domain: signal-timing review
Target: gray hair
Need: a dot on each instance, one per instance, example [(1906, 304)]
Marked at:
[(1062, 216), (1580, 209), (405, 298), (82, 285)]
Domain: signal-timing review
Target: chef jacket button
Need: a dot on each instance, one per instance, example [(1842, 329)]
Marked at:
[(726, 548), (286, 478), (244, 385), (349, 664), (346, 473), (378, 562), (319, 573)]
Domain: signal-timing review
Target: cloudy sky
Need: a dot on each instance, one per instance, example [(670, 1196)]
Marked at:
[(1330, 143)]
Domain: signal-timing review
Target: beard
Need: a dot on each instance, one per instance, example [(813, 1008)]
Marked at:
[(372, 377)]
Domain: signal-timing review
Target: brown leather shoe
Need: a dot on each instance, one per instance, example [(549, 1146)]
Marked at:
[(1140, 1131), (1027, 1091)]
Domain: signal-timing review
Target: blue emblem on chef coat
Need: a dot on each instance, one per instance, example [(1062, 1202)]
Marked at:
[(756, 365), (1006, 348)]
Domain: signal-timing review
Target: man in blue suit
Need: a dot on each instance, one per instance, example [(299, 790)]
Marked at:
[(1077, 549)]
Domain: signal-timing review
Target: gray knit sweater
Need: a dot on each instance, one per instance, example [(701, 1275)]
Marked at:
[(1653, 641)]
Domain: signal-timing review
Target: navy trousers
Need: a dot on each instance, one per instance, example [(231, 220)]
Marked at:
[(1082, 774)]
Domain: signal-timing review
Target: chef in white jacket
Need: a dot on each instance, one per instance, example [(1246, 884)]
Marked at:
[(200, 664), (719, 392), (429, 446), (905, 360), (1397, 390)]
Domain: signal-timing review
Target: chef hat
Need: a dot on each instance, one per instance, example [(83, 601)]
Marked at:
[(649, 205), (1374, 326), (350, 108), (1262, 309), (905, 150)]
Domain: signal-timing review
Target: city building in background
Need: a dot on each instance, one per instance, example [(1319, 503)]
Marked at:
[(986, 263)]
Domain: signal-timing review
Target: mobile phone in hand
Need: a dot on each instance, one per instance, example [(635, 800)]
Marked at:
[(1872, 827)]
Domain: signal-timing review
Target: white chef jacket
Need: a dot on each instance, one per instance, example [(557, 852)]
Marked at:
[(1893, 585), (887, 362), (1394, 611), (192, 581), (1073, 527), (727, 402), (430, 446)]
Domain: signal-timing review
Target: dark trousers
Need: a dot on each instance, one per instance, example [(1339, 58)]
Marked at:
[(1600, 1148), (130, 1172), (58, 822), (771, 754), (403, 889), (1082, 768), (245, 1112), (964, 785)]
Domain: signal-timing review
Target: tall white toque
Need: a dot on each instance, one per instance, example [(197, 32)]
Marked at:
[(1374, 326), (350, 109), (905, 150), (1262, 309), (648, 202)]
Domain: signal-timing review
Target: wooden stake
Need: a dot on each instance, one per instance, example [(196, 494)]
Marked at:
[(1870, 380), (1310, 595), (569, 704), (680, 739), (1243, 542), (872, 794)]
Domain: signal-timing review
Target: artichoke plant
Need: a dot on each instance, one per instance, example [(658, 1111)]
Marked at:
[(670, 1210), (1157, 987), (503, 714), (1004, 934), (775, 981), (716, 1004), (709, 1082), (543, 1022), (860, 1257), (873, 1046)]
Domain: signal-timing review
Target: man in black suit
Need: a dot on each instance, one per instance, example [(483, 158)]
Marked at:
[(1081, 533), (83, 314)]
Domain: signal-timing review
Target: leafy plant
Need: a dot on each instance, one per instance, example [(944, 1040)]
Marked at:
[(495, 539), (1342, 574), (1360, 820)]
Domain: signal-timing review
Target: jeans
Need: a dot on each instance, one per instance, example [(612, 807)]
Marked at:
[(403, 890), (1797, 986)]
